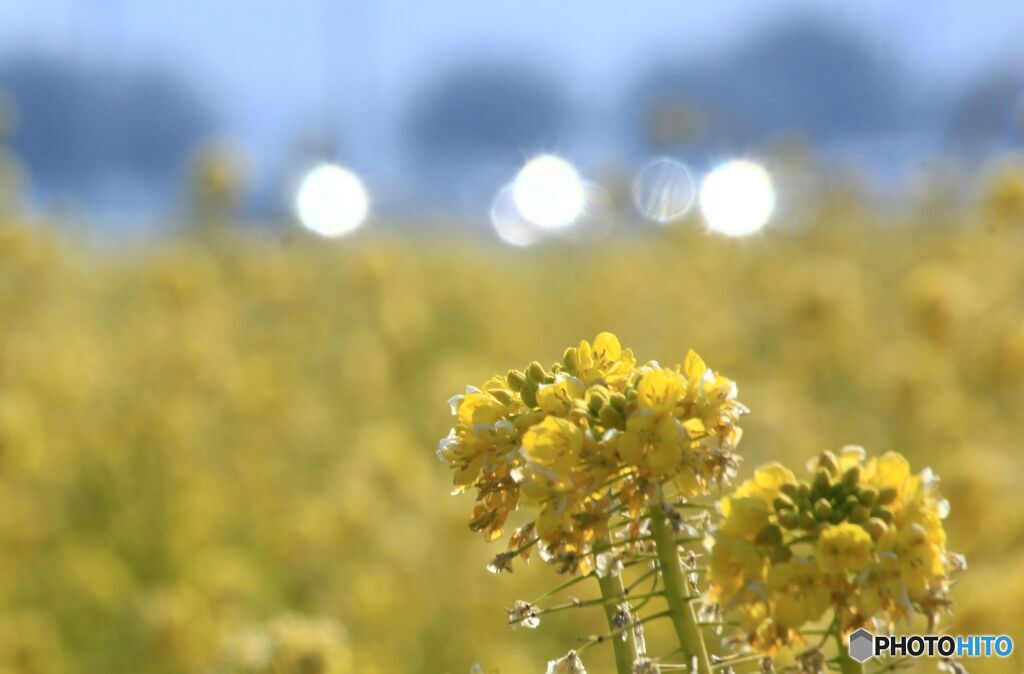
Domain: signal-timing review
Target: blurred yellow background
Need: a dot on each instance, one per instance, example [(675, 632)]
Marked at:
[(227, 438)]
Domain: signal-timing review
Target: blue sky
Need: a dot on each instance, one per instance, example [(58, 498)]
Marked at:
[(272, 67)]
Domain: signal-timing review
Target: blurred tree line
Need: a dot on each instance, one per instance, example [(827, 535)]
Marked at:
[(81, 130)]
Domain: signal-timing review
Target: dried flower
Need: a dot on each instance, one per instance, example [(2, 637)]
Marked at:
[(569, 664), (523, 613), (645, 666)]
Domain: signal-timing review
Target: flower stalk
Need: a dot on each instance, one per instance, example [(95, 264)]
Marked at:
[(613, 594), (678, 592)]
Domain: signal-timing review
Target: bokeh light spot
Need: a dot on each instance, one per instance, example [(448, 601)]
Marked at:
[(663, 190), (549, 192), (737, 198), (331, 201), (510, 225)]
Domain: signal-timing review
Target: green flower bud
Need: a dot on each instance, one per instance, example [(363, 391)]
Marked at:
[(618, 401), (837, 516), (596, 399), (535, 372), (515, 379), (804, 497), (851, 501), (827, 460), (788, 519), (571, 359), (791, 490), (887, 496), (781, 554), (875, 527), (806, 521), (858, 514), (529, 393), (822, 509), (769, 535), (868, 497), (852, 476), (821, 484), (504, 396), (610, 417), (882, 514), (781, 504)]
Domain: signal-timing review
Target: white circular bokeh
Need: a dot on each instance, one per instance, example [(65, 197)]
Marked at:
[(663, 190), (549, 192), (737, 198), (331, 201), (509, 224)]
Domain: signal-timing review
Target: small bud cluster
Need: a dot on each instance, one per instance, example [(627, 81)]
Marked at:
[(863, 538), (593, 434)]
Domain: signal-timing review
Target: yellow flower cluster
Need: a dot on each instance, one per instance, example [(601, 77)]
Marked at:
[(196, 437), (863, 538), (590, 435)]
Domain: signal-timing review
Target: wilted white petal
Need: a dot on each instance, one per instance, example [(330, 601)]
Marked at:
[(645, 666), (607, 564), (501, 562), (570, 664), (447, 442), (523, 613)]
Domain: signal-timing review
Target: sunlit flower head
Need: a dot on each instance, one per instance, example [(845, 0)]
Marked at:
[(862, 537), (572, 441)]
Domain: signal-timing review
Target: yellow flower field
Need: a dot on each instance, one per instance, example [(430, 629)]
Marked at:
[(218, 454)]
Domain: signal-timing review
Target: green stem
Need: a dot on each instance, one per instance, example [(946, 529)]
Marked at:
[(678, 591), (847, 665), (624, 645), (564, 586), (615, 599)]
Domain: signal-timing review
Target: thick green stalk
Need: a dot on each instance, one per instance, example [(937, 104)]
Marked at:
[(623, 641), (847, 664), (678, 592)]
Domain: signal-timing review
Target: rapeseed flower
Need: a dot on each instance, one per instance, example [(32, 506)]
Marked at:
[(862, 537), (592, 435)]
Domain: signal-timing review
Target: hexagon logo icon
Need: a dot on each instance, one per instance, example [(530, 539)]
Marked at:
[(862, 645)]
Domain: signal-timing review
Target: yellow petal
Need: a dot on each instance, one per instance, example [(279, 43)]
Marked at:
[(772, 476), (694, 368), (607, 347), (659, 390), (631, 448), (891, 470)]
